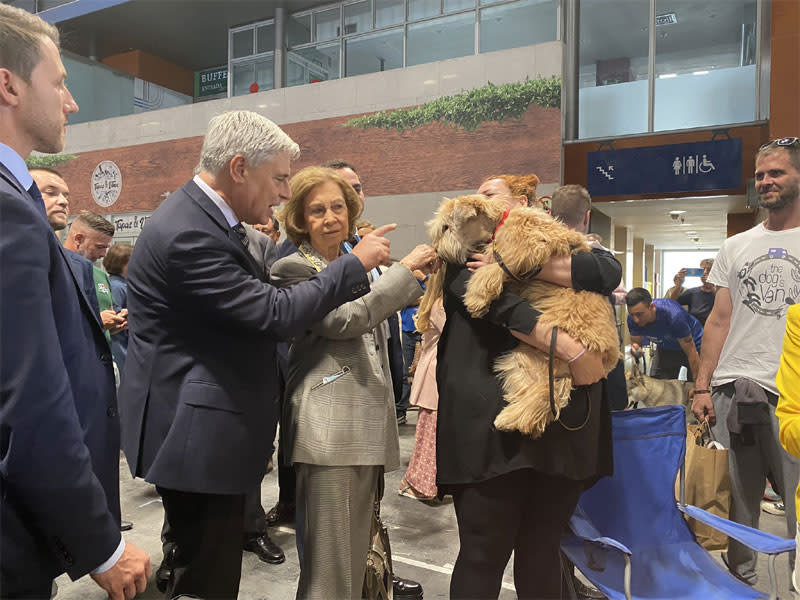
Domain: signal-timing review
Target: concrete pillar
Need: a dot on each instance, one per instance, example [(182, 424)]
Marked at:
[(601, 225), (638, 262), (279, 63), (621, 246), (649, 267), (658, 284)]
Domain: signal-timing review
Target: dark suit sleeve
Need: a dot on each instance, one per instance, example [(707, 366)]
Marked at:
[(207, 279), (46, 468), (596, 271), (509, 311)]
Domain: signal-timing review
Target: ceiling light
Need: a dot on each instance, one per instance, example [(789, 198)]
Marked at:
[(677, 212), (700, 73), (686, 224), (668, 76)]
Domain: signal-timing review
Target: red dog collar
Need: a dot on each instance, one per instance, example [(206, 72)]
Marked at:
[(499, 224)]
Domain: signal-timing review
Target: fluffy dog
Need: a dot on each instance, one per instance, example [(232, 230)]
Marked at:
[(526, 240), (462, 226)]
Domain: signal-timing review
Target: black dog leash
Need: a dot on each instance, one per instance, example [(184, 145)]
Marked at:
[(552, 379)]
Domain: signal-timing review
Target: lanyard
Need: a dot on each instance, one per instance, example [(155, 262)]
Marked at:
[(348, 247)]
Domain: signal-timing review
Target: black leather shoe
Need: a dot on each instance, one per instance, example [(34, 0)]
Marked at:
[(266, 550), (406, 588), (282, 512), (164, 571), (125, 525)]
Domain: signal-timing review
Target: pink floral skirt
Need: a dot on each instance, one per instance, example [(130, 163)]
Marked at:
[(420, 478)]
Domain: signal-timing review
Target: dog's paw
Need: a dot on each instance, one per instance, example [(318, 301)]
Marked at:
[(484, 287)]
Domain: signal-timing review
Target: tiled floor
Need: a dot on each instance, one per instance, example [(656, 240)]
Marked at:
[(424, 541)]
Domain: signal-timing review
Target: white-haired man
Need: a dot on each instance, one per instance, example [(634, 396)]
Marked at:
[(201, 356)]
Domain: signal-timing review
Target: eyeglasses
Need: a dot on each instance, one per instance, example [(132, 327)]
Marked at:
[(787, 141)]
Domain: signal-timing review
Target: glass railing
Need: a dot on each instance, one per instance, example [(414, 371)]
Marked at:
[(102, 92)]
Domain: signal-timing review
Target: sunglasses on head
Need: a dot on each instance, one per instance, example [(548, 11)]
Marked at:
[(787, 141)]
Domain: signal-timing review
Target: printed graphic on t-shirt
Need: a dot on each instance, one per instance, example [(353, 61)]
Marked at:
[(770, 283)]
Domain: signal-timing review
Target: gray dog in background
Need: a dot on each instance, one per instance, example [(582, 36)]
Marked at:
[(647, 391)]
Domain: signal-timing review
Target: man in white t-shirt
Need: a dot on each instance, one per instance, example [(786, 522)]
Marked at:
[(758, 277)]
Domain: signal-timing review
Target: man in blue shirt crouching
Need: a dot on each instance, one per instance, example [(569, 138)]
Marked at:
[(664, 322)]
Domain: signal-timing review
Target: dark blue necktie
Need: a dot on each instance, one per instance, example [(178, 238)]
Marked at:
[(34, 193), (242, 233)]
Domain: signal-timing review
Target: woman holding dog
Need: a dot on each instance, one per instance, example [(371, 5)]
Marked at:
[(512, 492), (341, 427)]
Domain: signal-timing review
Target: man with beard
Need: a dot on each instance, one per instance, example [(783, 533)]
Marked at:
[(55, 194), (757, 274)]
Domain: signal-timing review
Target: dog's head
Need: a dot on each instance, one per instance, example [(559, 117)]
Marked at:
[(464, 225), (529, 237)]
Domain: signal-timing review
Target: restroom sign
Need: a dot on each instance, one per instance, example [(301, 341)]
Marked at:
[(695, 167)]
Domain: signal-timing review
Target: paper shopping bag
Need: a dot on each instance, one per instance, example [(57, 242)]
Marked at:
[(708, 484)]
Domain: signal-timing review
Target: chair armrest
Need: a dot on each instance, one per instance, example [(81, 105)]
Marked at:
[(760, 541), (583, 528)]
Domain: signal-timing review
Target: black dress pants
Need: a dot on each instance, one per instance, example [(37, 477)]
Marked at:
[(206, 530), (524, 511), (667, 364), (255, 519)]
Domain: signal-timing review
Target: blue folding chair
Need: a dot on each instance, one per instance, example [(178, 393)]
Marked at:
[(628, 534)]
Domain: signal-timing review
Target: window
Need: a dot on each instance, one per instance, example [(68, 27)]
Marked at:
[(519, 24), (298, 30), (265, 38), (311, 65), (454, 5), (253, 76), (420, 9), (354, 37), (440, 39), (613, 70), (705, 64), (252, 62), (243, 77), (327, 24), (374, 52), (357, 17), (389, 12), (243, 43)]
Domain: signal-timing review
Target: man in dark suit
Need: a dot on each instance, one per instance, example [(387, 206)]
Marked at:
[(196, 407), (59, 430)]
